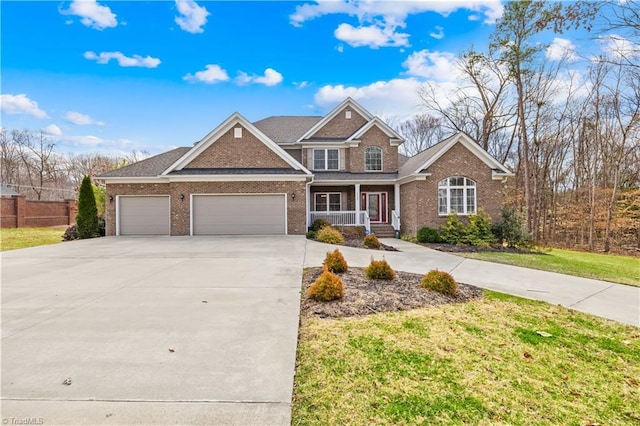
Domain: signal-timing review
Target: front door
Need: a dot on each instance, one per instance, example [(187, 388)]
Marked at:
[(375, 203)]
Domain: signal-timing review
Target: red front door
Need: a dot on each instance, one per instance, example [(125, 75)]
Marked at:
[(375, 203)]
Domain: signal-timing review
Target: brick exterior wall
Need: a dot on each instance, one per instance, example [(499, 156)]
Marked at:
[(340, 127), (181, 215), (419, 199), (245, 152), (18, 212), (374, 137)]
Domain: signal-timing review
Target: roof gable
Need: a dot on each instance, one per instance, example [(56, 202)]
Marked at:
[(426, 158), (347, 103), (382, 126), (235, 120), (286, 129)]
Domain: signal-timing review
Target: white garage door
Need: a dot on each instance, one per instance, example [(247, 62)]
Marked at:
[(144, 215), (239, 214)]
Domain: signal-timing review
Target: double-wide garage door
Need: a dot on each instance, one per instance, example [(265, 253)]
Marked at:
[(255, 214), (148, 215)]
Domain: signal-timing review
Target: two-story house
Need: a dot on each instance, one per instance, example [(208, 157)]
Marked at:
[(279, 174)]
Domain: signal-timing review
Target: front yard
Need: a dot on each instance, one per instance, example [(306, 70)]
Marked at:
[(494, 360), (17, 238)]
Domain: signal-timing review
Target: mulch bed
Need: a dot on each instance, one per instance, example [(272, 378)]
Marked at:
[(357, 242), (363, 296), (460, 248)]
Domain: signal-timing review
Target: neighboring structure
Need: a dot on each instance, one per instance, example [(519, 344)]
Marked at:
[(18, 212), (277, 175)]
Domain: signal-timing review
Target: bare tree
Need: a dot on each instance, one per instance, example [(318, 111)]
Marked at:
[(419, 132)]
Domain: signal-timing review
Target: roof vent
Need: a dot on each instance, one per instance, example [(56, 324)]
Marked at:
[(347, 115), (237, 132)]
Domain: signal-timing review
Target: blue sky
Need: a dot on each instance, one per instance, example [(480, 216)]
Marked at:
[(117, 76)]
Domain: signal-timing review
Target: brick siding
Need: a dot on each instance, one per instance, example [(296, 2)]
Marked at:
[(245, 152), (374, 137), (419, 203), (340, 127)]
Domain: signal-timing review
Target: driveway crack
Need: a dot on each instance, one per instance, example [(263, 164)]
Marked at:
[(591, 295)]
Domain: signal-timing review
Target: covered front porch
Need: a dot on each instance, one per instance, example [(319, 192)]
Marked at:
[(356, 204)]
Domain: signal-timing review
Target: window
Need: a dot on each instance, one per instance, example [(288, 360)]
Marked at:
[(373, 159), (326, 159), (328, 202), (456, 194)]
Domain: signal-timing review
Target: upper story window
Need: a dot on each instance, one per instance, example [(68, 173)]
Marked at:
[(456, 194), (373, 159), (326, 159)]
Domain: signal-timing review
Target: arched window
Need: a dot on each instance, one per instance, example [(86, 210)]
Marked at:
[(456, 194), (373, 159)]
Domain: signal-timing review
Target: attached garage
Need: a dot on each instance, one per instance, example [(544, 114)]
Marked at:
[(242, 214), (143, 215)]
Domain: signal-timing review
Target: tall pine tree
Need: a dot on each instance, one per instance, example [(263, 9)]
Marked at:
[(87, 217)]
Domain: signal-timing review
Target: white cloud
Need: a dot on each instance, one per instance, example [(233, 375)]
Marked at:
[(80, 119), (20, 104), (192, 17), (439, 66), (301, 84), (340, 48), (619, 47), (373, 36), (561, 48), (271, 77), (123, 61), (52, 130), (438, 34), (92, 14), (212, 74), (392, 12)]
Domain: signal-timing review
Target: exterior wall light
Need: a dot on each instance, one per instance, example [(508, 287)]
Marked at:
[(181, 197), (293, 195), (111, 198)]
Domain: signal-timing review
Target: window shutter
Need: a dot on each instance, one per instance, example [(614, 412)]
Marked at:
[(310, 158), (342, 159)]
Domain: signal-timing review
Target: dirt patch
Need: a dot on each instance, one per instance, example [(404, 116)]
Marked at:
[(358, 243), (363, 296)]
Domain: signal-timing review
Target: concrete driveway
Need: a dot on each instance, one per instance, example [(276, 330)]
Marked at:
[(105, 313)]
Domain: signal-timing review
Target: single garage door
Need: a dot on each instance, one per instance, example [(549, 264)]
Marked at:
[(259, 214), (144, 215)]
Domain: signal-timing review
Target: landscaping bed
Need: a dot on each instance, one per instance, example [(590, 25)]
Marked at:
[(363, 296), (466, 248)]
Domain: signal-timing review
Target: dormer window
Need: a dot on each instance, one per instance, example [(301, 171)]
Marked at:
[(326, 159), (373, 159)]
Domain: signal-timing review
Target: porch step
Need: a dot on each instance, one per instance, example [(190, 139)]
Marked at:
[(383, 230)]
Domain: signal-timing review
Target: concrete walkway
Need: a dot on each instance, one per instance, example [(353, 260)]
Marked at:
[(613, 301), (105, 312)]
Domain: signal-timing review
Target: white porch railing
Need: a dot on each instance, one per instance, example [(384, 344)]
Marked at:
[(395, 220), (342, 218)]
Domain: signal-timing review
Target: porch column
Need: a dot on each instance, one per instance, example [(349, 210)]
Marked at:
[(357, 204), (307, 208), (396, 197)]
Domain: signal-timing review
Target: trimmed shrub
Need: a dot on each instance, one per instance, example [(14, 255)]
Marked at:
[(511, 229), (428, 235), (311, 235), (87, 217), (70, 234), (440, 281), (326, 288), (371, 241), (479, 230), (318, 224), (454, 231), (330, 235), (334, 262), (379, 270)]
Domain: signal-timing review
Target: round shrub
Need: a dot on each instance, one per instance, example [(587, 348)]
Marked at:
[(428, 235), (334, 262), (318, 224), (311, 235), (379, 270), (440, 281), (326, 288), (371, 241), (330, 235)]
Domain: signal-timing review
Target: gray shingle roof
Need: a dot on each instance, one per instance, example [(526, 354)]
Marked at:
[(412, 163), (236, 171), (149, 167), (6, 191), (286, 128)]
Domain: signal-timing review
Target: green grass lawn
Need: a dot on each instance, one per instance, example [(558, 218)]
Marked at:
[(606, 267), (483, 362), (16, 238)]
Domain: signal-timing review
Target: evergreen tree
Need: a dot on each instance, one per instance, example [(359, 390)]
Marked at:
[(87, 217)]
